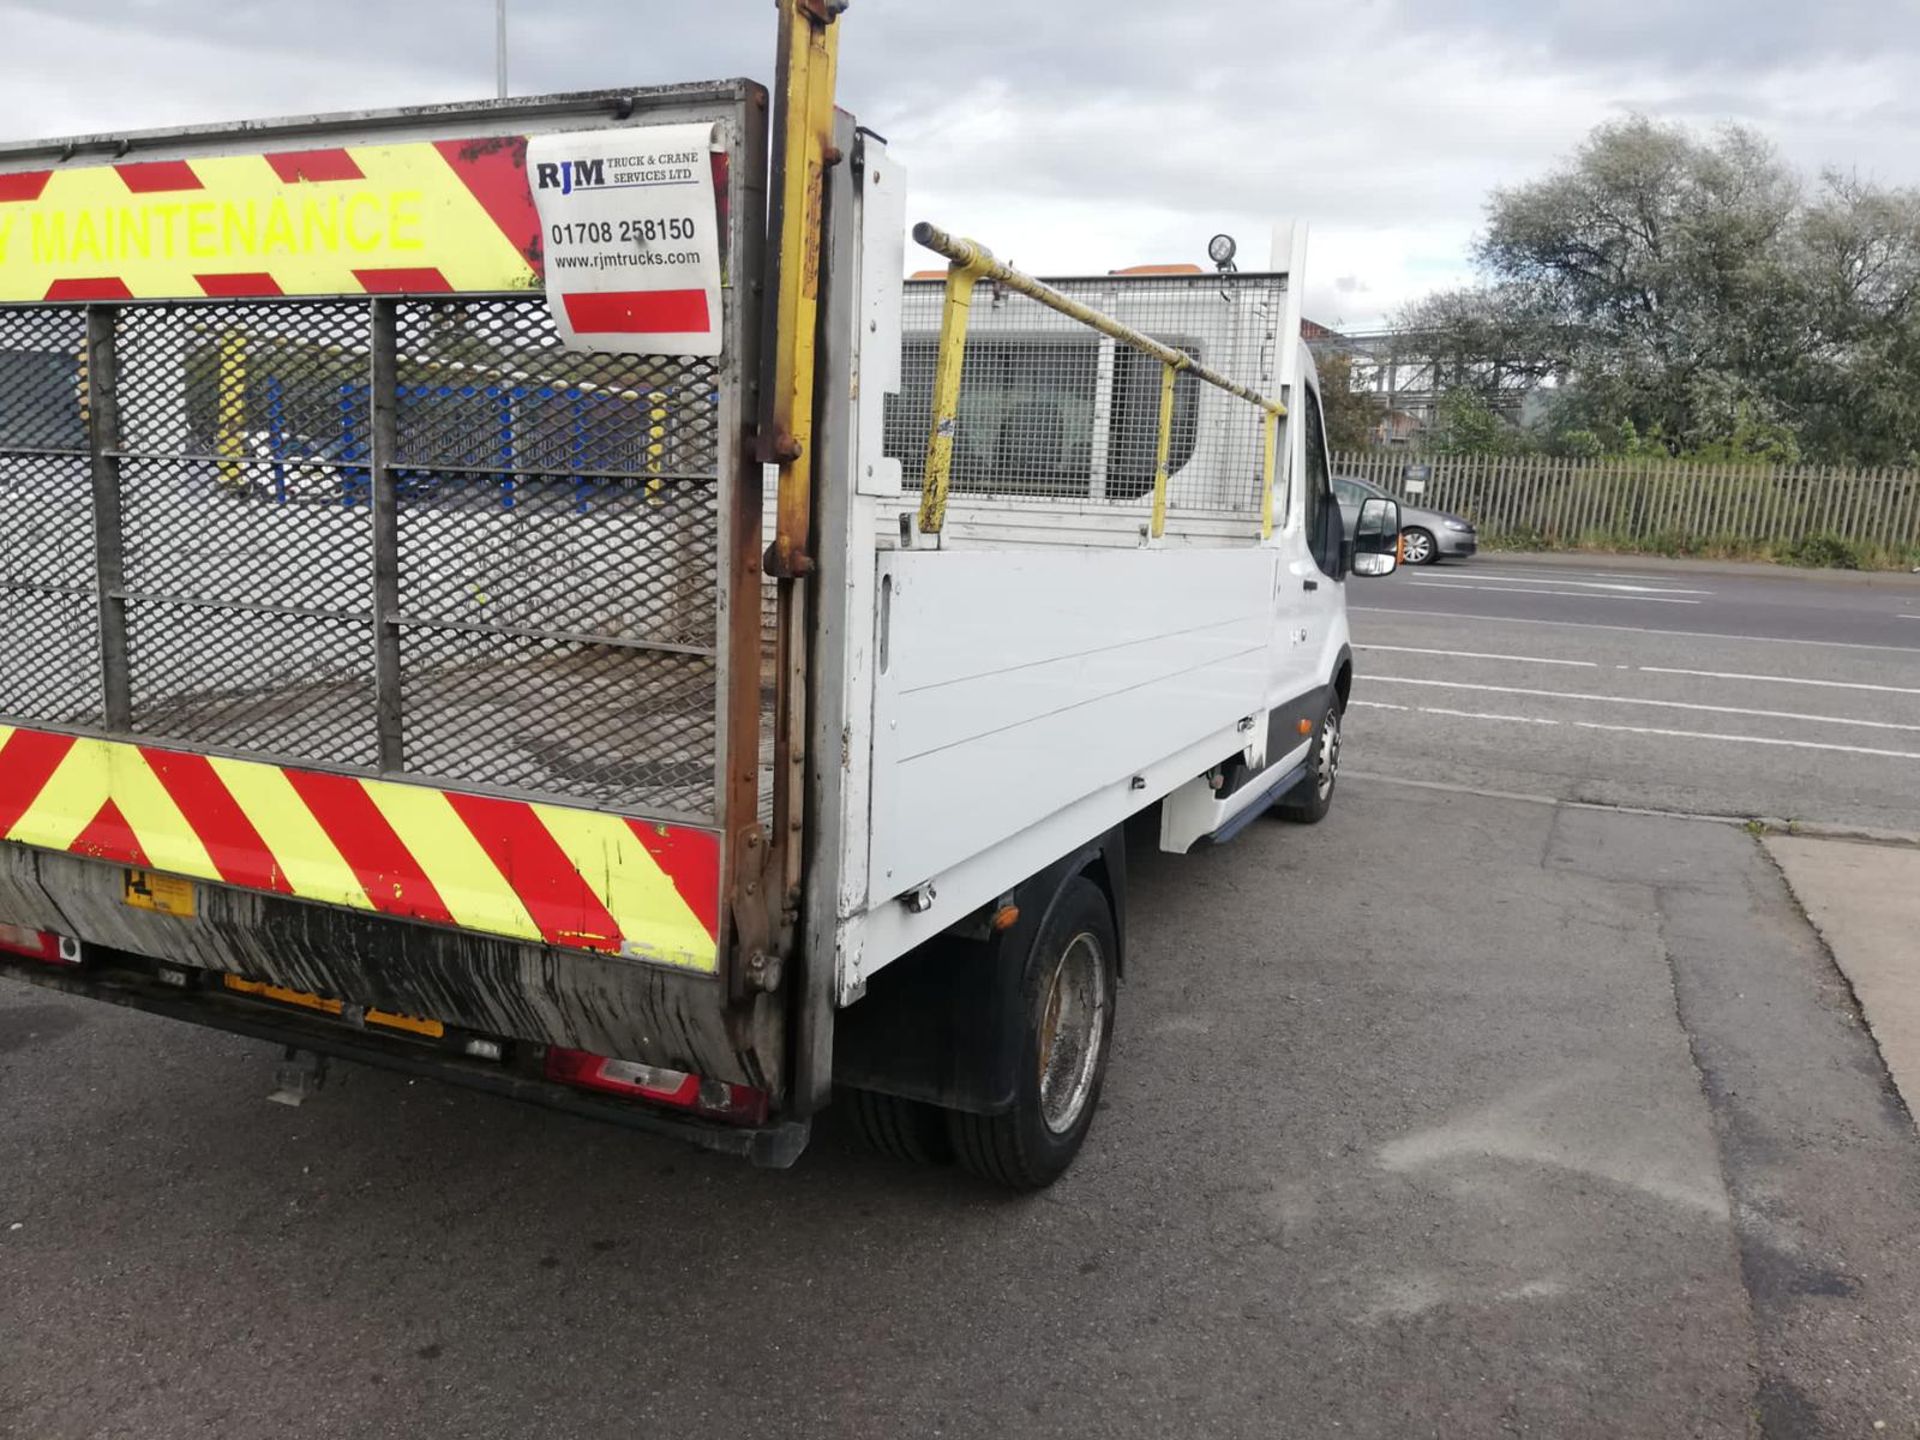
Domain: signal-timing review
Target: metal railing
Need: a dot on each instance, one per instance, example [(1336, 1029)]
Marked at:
[(1654, 502), (970, 263)]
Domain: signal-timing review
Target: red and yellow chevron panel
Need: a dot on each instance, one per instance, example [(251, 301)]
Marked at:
[(413, 218), (545, 873)]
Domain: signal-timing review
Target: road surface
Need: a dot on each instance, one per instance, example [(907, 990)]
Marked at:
[(1670, 687)]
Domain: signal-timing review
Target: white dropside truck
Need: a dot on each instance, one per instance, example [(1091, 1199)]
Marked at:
[(524, 593)]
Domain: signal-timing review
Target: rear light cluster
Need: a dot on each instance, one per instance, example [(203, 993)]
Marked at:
[(41, 945), (715, 1099)]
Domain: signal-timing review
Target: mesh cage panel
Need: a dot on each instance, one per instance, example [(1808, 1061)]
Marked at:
[(1053, 411), (46, 524), (49, 657), (558, 559), (43, 380), (486, 385), (251, 680), (279, 381), (632, 728), (49, 623), (192, 536), (578, 557), (554, 548), (245, 529)]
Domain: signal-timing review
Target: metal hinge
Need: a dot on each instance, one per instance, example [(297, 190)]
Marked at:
[(758, 965)]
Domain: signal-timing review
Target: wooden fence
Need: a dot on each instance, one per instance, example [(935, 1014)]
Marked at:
[(1537, 497)]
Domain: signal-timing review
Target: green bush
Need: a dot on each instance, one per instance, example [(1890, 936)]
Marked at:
[(1823, 552)]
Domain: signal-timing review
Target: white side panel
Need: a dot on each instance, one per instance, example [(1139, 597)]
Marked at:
[(892, 929), (882, 266), (1015, 684), (883, 263), (861, 363)]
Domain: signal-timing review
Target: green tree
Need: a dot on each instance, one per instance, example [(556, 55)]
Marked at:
[(1852, 387), (1353, 416), (1687, 291), (1467, 425)]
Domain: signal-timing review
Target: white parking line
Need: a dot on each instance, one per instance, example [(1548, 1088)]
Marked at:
[(1482, 715), (1549, 579), (1458, 714), (1649, 669), (1570, 594), (1650, 730), (1771, 679), (1637, 700), (1586, 584), (1481, 655), (1748, 740), (1628, 629)]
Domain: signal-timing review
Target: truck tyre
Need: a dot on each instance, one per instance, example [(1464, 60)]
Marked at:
[(1068, 986), (909, 1130), (1309, 801)]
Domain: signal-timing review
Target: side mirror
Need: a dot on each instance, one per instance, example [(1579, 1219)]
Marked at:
[(1376, 537)]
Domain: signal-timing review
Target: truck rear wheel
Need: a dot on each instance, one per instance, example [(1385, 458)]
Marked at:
[(909, 1130), (1068, 986)]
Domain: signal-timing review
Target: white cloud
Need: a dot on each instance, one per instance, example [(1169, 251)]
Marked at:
[(1080, 134)]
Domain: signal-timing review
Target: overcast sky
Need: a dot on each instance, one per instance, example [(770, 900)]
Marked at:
[(1078, 135)]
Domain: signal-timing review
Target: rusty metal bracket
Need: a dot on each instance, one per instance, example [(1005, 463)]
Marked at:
[(757, 964)]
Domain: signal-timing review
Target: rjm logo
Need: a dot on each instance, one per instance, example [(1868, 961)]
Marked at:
[(568, 175)]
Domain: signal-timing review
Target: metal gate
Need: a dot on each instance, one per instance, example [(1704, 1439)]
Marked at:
[(405, 536)]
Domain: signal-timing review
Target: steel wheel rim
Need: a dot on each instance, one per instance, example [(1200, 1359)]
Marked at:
[(1329, 753), (1073, 1023), (1418, 547)]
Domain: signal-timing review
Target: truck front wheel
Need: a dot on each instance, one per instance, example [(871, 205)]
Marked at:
[(1309, 801), (1068, 987)]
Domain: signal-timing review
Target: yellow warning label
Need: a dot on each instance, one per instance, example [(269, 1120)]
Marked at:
[(163, 893), (400, 217)]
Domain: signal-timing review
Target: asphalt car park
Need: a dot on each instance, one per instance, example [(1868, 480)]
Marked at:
[(1511, 1099)]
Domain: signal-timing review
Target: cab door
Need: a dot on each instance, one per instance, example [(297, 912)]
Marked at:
[(1306, 588), (1309, 613), (1326, 534)]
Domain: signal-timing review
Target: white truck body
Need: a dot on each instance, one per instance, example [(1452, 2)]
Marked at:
[(387, 678), (1043, 673)]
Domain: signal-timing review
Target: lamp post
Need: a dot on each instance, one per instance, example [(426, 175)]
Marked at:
[(500, 48)]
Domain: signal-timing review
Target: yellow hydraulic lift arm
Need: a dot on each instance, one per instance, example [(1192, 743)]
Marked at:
[(802, 150), (768, 864)]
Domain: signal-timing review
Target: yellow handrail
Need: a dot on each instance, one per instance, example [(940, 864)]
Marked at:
[(970, 262)]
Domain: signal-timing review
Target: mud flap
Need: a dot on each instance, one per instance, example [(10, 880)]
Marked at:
[(945, 1023)]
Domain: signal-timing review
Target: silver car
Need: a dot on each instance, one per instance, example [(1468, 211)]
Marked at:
[(1427, 536)]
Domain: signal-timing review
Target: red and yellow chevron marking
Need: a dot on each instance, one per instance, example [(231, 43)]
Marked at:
[(545, 873), (411, 218)]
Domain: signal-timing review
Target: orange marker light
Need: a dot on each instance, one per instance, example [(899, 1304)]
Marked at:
[(1005, 917), (1306, 727)]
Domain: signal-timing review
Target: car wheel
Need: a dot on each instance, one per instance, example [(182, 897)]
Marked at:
[(1309, 801), (1417, 548), (1068, 986)]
